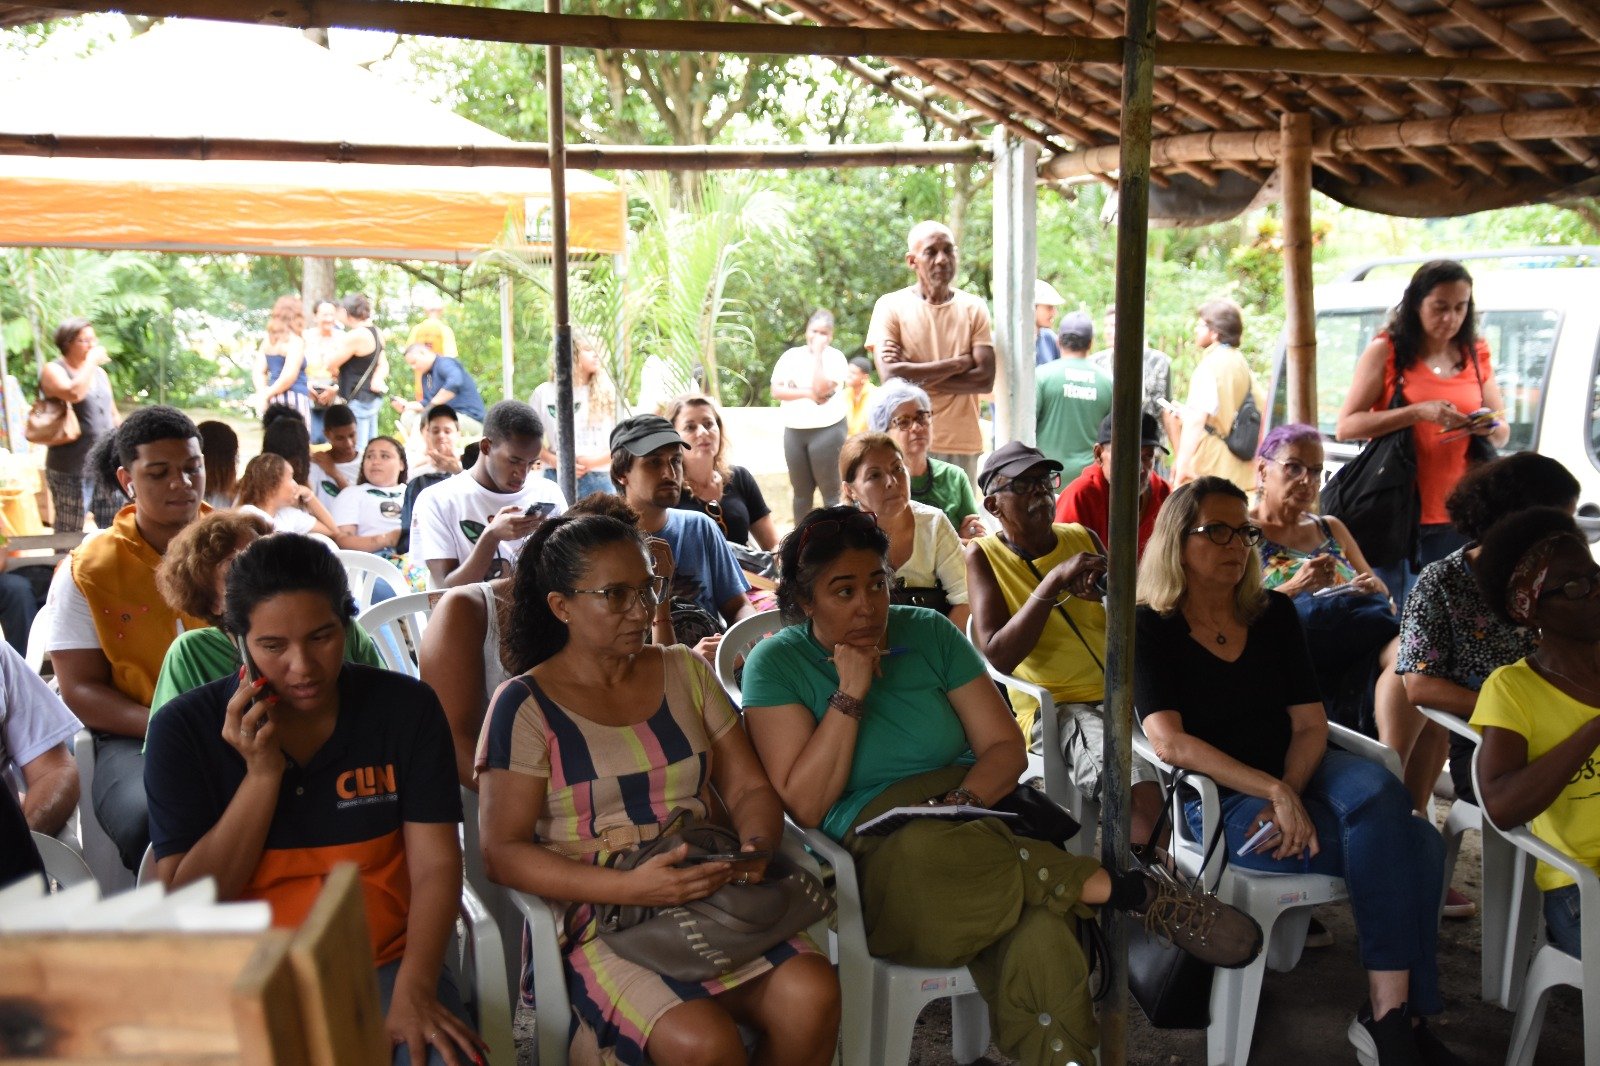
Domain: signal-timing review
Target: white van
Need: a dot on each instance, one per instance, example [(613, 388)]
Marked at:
[(1539, 311)]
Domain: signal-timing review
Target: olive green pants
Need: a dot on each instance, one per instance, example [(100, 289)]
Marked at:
[(972, 894)]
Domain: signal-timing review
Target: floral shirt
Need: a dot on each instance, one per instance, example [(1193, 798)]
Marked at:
[(1280, 562), (1447, 630)]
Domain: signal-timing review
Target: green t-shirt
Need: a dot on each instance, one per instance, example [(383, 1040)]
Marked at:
[(909, 726), (1074, 397), (201, 656), (946, 487)]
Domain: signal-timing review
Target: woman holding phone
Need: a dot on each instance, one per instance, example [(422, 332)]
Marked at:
[(249, 779)]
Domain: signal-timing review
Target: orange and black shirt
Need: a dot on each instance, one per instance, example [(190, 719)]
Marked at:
[(388, 762)]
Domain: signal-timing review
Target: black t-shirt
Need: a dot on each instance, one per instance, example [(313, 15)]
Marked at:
[(742, 504), (1240, 708), (389, 761), (352, 370)]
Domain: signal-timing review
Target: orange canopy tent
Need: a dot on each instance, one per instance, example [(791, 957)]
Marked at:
[(194, 80)]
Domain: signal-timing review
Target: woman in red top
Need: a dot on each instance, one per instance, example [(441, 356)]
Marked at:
[(1431, 345)]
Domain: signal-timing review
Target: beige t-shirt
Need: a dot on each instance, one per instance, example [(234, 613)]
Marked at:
[(1217, 388), (928, 333)]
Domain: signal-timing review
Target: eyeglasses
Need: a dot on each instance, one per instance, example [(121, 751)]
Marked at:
[(1578, 588), (1027, 486), (1294, 469), (861, 520), (1222, 534), (921, 418), (620, 598)]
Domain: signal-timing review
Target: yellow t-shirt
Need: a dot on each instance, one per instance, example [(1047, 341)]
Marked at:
[(1059, 661), (1515, 697)]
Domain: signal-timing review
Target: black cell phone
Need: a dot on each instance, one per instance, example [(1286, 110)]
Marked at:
[(251, 674), (541, 509), (729, 856)]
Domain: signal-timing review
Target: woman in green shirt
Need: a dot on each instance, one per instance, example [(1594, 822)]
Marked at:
[(191, 579), (904, 411)]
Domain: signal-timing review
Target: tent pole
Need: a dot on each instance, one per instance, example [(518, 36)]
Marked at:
[(1300, 312), (566, 458), (1127, 401), (507, 341)]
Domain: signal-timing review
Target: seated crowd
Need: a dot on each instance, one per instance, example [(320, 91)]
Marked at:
[(209, 642)]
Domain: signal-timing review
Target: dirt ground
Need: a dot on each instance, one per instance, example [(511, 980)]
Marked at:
[(1304, 1013)]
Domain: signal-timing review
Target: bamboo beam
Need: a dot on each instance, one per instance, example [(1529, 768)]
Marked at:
[(537, 156), (1579, 13), (667, 35), (1300, 312), (1265, 147)]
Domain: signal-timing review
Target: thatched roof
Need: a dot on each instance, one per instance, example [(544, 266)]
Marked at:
[(1382, 142)]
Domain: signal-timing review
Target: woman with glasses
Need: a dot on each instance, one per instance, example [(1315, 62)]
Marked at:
[(1224, 686), (713, 486), (905, 413), (1350, 625), (1540, 716), (924, 551), (584, 756), (859, 707)]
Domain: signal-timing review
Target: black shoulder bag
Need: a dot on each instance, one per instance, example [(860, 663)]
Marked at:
[(1375, 494)]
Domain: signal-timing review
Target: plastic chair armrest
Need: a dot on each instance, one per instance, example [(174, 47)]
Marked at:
[(1455, 725), (1364, 746)]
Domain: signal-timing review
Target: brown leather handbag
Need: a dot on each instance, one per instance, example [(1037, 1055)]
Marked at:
[(52, 423), (711, 937)]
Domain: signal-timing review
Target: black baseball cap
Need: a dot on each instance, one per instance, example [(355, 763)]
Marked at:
[(643, 434), (1149, 431), (1011, 459)]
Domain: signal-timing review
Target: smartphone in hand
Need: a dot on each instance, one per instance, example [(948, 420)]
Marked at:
[(729, 856), (542, 510)]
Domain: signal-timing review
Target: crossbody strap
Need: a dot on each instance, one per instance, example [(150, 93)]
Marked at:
[(1070, 623)]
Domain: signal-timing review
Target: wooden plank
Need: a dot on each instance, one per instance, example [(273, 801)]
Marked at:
[(1294, 174), (332, 960), (267, 1013)]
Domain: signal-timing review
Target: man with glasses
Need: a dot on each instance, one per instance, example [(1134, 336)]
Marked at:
[(1071, 397), (470, 527), (647, 468), (1035, 589), (933, 335), (1087, 501)]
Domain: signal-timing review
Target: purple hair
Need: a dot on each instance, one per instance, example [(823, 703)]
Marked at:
[(1285, 435)]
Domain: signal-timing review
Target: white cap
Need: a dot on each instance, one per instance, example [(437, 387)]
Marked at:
[(1045, 293)]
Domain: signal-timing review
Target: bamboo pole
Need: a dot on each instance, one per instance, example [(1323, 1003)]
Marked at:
[(1294, 176), (567, 455), (1265, 145), (599, 31), (1127, 402), (535, 156)]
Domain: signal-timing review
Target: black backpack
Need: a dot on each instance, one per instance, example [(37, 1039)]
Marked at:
[(1245, 433)]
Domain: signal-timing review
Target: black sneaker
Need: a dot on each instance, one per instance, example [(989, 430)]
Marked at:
[(1386, 1041), (1198, 922), (1431, 1050)]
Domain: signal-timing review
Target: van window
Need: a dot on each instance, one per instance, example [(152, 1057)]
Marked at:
[(1520, 345)]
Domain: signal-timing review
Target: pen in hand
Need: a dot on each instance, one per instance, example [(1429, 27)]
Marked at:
[(887, 653)]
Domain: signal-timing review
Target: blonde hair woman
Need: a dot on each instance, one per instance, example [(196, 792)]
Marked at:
[(280, 371), (713, 486), (595, 412)]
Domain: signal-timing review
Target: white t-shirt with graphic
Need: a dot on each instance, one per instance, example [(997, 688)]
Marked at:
[(372, 509), (448, 519), (325, 487)]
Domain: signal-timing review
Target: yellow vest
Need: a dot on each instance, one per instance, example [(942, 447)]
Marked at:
[(1059, 662), (116, 572)]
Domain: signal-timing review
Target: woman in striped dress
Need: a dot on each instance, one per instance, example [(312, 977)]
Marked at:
[(584, 756)]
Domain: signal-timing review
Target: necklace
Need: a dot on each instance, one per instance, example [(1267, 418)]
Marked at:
[(1220, 638), (1574, 682)]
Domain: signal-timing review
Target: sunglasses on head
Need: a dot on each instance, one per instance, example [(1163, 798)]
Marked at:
[(829, 527)]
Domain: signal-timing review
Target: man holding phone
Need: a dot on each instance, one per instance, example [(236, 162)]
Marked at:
[(471, 527)]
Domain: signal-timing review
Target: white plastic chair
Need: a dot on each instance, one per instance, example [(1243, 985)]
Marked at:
[(38, 636), (1500, 983), (1050, 763), (1550, 965), (1280, 903), (552, 1009), (480, 966), (98, 850), (736, 644), (396, 627), (61, 864), (497, 903), (365, 570)]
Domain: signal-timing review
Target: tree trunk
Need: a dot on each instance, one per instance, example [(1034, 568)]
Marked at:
[(316, 282)]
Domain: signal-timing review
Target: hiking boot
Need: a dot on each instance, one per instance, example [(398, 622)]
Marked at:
[(1386, 1041), (1199, 923), (1457, 905), (1431, 1050)]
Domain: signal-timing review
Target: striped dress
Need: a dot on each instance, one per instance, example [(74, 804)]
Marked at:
[(600, 777)]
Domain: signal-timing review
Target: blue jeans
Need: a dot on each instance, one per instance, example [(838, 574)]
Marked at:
[(593, 481), (449, 998), (317, 436), (366, 412), (1433, 544), (1392, 863), (1563, 919)]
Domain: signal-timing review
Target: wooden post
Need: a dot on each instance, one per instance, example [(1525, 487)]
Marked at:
[(507, 340), (1300, 313), (566, 459), (1127, 402), (1015, 266)]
